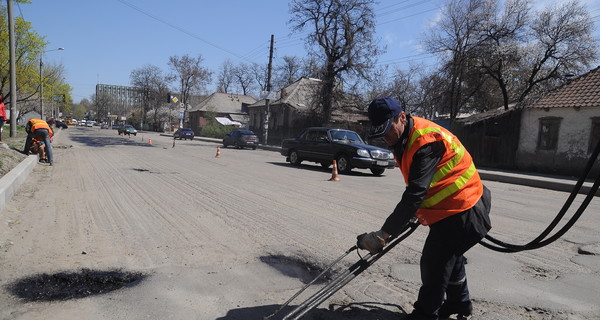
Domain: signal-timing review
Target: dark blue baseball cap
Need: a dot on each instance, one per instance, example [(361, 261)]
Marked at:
[(382, 112)]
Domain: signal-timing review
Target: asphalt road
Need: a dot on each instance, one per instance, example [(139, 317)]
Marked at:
[(210, 237)]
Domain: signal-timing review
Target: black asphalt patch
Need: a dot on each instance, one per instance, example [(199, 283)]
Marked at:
[(72, 285), (296, 268)]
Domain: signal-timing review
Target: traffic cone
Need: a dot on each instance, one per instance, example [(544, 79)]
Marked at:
[(218, 152), (334, 173), (149, 141)]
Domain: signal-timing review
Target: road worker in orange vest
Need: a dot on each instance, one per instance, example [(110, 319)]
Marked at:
[(443, 191), (40, 130)]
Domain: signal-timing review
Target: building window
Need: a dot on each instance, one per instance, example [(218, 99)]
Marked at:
[(548, 133), (595, 134)]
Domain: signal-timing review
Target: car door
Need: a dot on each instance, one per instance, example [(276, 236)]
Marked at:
[(322, 148), (228, 139), (310, 144)]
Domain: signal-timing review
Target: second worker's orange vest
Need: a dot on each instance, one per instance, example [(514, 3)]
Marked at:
[(40, 124)]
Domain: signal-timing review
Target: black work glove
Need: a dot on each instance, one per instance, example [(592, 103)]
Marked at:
[(372, 241)]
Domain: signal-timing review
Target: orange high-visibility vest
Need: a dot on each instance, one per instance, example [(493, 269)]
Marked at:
[(40, 124), (456, 185)]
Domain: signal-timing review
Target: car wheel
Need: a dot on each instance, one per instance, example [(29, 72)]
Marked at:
[(325, 165), (253, 148), (134, 134), (377, 171), (294, 158), (237, 145), (224, 145), (343, 164)]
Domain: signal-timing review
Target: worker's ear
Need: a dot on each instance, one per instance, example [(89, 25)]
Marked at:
[(402, 118)]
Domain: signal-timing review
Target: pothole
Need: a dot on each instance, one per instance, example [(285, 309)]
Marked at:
[(141, 170), (539, 273), (296, 268), (72, 285)]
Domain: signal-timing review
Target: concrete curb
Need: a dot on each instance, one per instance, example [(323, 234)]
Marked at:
[(10, 182), (537, 181)]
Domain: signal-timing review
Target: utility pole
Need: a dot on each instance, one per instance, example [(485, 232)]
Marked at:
[(267, 111), (13, 72)]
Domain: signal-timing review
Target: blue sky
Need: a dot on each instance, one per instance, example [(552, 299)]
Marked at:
[(105, 40)]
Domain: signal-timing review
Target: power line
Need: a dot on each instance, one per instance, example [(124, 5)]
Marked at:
[(181, 29), (405, 7)]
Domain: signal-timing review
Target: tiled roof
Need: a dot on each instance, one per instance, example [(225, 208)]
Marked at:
[(583, 91)]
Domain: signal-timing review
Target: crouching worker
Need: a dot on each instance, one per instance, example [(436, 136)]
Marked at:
[(40, 130), (39, 147), (444, 191)]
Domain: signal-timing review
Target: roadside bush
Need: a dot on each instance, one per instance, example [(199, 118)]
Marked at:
[(216, 130)]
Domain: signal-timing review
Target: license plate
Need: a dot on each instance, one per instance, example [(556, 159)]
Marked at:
[(382, 163)]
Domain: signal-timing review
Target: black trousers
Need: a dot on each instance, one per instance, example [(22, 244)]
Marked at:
[(442, 261)]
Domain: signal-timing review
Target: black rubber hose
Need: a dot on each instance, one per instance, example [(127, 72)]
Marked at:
[(539, 241)]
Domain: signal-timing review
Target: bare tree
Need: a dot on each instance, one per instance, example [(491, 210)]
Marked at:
[(225, 78), (102, 102), (523, 53), (152, 83), (259, 73), (243, 77), (288, 71), (499, 36), (454, 40), (341, 35), (189, 74), (561, 44)]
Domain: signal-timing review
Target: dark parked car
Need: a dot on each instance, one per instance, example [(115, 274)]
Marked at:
[(323, 145), (241, 139), (127, 129), (60, 124), (184, 133)]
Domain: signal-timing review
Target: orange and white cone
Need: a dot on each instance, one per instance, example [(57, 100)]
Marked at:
[(149, 141), (218, 155), (334, 173)]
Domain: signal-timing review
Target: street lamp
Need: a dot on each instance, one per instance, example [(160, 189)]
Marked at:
[(41, 81)]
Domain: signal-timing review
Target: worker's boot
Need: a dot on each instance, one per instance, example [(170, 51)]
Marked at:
[(462, 309)]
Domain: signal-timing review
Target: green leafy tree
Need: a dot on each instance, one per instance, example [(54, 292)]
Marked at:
[(28, 46)]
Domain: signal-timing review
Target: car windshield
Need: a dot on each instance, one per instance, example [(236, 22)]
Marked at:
[(186, 130), (346, 136), (246, 132)]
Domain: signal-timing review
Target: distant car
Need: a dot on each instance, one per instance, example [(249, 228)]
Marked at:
[(184, 133), (60, 124), (127, 129), (89, 124), (323, 145), (104, 126), (241, 139)]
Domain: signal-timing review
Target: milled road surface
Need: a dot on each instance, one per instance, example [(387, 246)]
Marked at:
[(201, 228)]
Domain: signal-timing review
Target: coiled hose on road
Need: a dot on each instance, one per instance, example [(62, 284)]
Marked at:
[(541, 240)]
